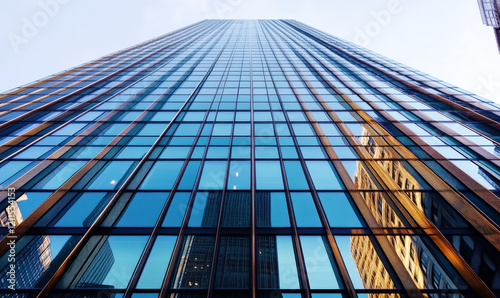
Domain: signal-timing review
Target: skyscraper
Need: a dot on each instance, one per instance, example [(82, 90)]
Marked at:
[(490, 15), (251, 158)]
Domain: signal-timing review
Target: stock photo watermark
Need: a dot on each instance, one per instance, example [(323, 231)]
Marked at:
[(379, 21), (223, 7), (488, 86), (12, 211), (31, 26)]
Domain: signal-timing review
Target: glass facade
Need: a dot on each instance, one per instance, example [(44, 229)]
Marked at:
[(248, 158)]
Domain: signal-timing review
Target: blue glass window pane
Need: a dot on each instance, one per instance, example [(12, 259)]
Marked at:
[(157, 263), (219, 152), (268, 175), (295, 175), (239, 175), (282, 129), (162, 175), (175, 152), (323, 175), (266, 152), (143, 210), (222, 129), (289, 152), (112, 175), (240, 152), (233, 264), (321, 271), (187, 129), (212, 176), (194, 264), (205, 210), (277, 267), (271, 209), (33, 152), (263, 129), (339, 210), (88, 206), (189, 176), (87, 152), (176, 210), (359, 247), (302, 129), (305, 211), (312, 152), (114, 263), (70, 129), (133, 152), (152, 129), (60, 175), (242, 129), (287, 266)]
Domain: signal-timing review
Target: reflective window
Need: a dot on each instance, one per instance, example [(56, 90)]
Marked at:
[(339, 210), (83, 211), (176, 210), (111, 176), (162, 175), (323, 175), (268, 174), (239, 175), (295, 175), (109, 261), (320, 267), (277, 267), (205, 210), (194, 263), (271, 209), (143, 210), (157, 263), (213, 174), (305, 211), (233, 263)]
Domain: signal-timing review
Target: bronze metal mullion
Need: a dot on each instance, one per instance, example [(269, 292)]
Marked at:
[(344, 274), (437, 237), (213, 272), (473, 215), (394, 260), (41, 166), (154, 235), (252, 176), (74, 253), (109, 206), (65, 147)]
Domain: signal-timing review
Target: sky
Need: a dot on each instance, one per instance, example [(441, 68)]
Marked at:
[(444, 38)]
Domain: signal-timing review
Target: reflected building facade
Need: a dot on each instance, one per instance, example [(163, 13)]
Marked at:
[(250, 158)]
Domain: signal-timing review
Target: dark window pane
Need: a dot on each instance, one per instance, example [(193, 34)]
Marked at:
[(271, 209), (195, 262), (233, 263), (205, 211)]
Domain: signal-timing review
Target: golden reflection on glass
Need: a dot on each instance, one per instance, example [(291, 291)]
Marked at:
[(414, 255)]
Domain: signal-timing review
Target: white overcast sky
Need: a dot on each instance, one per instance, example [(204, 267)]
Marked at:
[(444, 38)]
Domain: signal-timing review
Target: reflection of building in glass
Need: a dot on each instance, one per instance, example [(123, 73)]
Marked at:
[(12, 213), (411, 251), (243, 134), (99, 268), (35, 258), (194, 265), (373, 273)]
